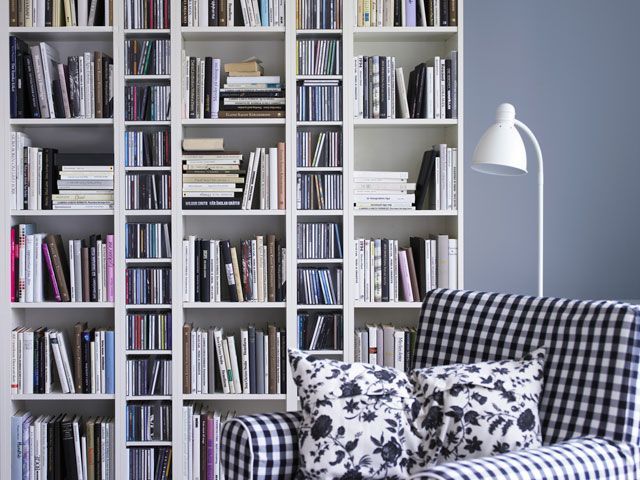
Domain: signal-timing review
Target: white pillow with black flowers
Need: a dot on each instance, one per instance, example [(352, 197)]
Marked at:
[(483, 409), (357, 421)]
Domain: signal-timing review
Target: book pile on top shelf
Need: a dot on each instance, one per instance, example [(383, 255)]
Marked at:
[(147, 57), (407, 13), (40, 270), (216, 271), (40, 86), (386, 346), (88, 370), (387, 273), (213, 363), (48, 13), (62, 446), (437, 184), (314, 15), (148, 376), (148, 331), (213, 178), (147, 14), (383, 190), (201, 442), (223, 13), (320, 286), (320, 331), (150, 462)]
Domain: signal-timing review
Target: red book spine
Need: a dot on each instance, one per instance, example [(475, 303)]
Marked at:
[(52, 275)]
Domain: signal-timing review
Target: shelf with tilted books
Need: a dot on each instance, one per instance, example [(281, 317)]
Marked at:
[(404, 34)]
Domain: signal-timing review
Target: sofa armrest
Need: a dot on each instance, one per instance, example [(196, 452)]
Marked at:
[(585, 458), (258, 447)]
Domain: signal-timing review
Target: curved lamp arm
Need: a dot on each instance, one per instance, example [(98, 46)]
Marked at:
[(538, 151)]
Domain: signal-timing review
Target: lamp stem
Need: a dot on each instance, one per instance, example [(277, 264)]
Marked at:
[(536, 146)]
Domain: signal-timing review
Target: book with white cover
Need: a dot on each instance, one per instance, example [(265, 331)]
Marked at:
[(222, 365), (235, 370), (244, 350), (229, 370), (27, 361)]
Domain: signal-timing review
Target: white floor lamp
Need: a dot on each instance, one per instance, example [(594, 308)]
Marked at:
[(501, 151)]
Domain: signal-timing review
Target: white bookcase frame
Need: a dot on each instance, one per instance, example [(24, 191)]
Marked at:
[(376, 144)]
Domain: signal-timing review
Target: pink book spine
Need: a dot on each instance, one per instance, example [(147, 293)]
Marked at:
[(13, 264), (210, 449), (404, 276), (52, 275), (110, 268)]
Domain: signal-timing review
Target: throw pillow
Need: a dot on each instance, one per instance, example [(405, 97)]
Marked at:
[(357, 421), (482, 409)]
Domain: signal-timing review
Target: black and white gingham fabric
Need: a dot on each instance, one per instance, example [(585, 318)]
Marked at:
[(260, 447), (577, 459), (592, 361)]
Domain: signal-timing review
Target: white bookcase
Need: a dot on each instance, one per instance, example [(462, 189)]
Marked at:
[(367, 144)]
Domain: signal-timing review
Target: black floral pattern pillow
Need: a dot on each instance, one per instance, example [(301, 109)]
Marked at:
[(358, 421), (483, 409)]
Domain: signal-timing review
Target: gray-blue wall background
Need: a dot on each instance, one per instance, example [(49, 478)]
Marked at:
[(572, 69)]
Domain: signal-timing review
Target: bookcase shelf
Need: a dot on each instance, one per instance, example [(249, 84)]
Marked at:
[(141, 353), (319, 123), (375, 305), (203, 122), (404, 34), (319, 32), (62, 34), (159, 306), (146, 78), (63, 396), (61, 305), (147, 123), (319, 307), (60, 122), (234, 397), (233, 33), (61, 213), (233, 213), (405, 213), (402, 122), (319, 261), (148, 398), (318, 77), (150, 443), (232, 305), (146, 32), (147, 213), (319, 213), (145, 261)]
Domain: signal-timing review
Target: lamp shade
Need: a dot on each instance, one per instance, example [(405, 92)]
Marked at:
[(501, 150)]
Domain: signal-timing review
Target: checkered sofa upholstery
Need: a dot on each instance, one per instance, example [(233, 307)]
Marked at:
[(589, 408)]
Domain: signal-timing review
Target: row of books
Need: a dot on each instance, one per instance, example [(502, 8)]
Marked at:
[(375, 87), (216, 271), (147, 14), (148, 376), (407, 13), (320, 331), (319, 240), (319, 57), (88, 370), (319, 100), (59, 13), (42, 270), (147, 57), (147, 240), (144, 148), (148, 286), (149, 463), (437, 183), (383, 190), (319, 191), (62, 446), (258, 366), (202, 428), (146, 422), (40, 86), (385, 272), (322, 149), (147, 102), (147, 191), (315, 15), (223, 13), (149, 331), (432, 89), (320, 286), (386, 346)]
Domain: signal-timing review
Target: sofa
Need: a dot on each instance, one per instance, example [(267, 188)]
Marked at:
[(589, 406)]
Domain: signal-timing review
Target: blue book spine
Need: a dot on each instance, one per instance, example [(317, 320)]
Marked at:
[(109, 361), (264, 13), (25, 448), (411, 13), (16, 447), (259, 361)]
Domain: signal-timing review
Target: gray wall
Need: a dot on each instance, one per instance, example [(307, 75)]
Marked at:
[(571, 69)]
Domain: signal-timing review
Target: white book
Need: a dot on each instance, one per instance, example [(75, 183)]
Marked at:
[(194, 360), (205, 361), (217, 428), (92, 365), (453, 263), (50, 60), (231, 13), (38, 278), (48, 373), (192, 268), (27, 360), (259, 268), (222, 365), (429, 92), (187, 424), (72, 273), (235, 370), (87, 85), (36, 438), (15, 353), (78, 451), (245, 196), (279, 387), (83, 12), (211, 359), (443, 89), (357, 347), (215, 83), (264, 180), (273, 178), (66, 362), (186, 282), (81, 86), (436, 89), (44, 447), (398, 348), (83, 446), (257, 160), (55, 348), (244, 351), (203, 13)]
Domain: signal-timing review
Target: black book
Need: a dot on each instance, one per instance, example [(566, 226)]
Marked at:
[(418, 249), (84, 159), (93, 268), (32, 106), (58, 104), (185, 13), (252, 359), (74, 86), (198, 267), (69, 448), (411, 93), (21, 54), (208, 74), (397, 13), (97, 438), (213, 13), (50, 449), (448, 85), (278, 94), (58, 467), (424, 180), (225, 251), (407, 351), (385, 269), (86, 360), (429, 8), (444, 13), (205, 274), (48, 13), (421, 107), (107, 100), (383, 86), (37, 362)]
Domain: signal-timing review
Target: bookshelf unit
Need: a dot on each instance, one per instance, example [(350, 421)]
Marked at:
[(367, 144)]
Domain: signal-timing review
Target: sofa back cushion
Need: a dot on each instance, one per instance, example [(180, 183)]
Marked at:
[(592, 354)]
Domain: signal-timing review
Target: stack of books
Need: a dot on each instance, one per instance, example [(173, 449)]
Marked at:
[(213, 362), (90, 369), (148, 331), (41, 13), (314, 15), (148, 422), (148, 376), (85, 181), (147, 240), (386, 346), (62, 446), (201, 441), (223, 13), (147, 14), (320, 286), (383, 190), (40, 86), (148, 286), (320, 331), (437, 184), (215, 271), (248, 93), (407, 13), (40, 270), (150, 462), (147, 57)]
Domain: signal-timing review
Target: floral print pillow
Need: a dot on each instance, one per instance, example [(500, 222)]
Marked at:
[(488, 408), (357, 421)]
